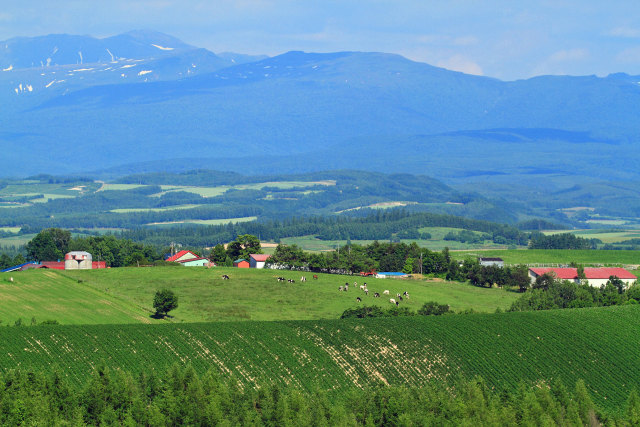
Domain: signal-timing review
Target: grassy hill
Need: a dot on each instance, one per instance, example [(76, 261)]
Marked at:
[(557, 256), (598, 345), (124, 295)]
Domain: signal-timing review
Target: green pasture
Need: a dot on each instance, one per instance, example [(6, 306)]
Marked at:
[(11, 229), (19, 240), (117, 187), (206, 221), (606, 235), (219, 190), (51, 295), (168, 208), (436, 243), (556, 256), (257, 295), (508, 350)]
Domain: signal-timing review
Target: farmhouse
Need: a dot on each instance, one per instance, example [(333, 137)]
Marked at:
[(182, 256), (596, 276), (258, 260), (241, 263), (485, 262), (195, 262)]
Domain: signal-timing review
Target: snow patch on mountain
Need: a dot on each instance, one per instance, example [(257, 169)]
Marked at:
[(143, 72), (161, 47)]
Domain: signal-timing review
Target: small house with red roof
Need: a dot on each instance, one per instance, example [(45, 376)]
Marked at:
[(258, 260), (182, 256), (596, 276), (241, 263)]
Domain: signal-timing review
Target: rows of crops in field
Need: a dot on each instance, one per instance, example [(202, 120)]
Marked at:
[(598, 345)]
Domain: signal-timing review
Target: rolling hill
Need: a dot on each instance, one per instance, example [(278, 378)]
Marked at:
[(533, 348)]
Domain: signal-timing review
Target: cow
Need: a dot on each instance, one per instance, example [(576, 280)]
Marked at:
[(11, 279), (315, 277), (225, 277), (398, 295), (346, 288), (400, 298), (362, 287), (358, 299), (366, 291), (385, 292), (392, 301), (376, 295), (340, 288), (397, 304), (291, 281), (303, 279)]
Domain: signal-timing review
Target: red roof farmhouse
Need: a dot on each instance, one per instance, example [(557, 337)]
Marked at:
[(258, 260), (595, 276)]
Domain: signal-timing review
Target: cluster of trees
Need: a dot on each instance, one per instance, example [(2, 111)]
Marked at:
[(561, 241), (409, 258), (548, 292), (51, 244), (467, 236), (182, 397), (243, 246)]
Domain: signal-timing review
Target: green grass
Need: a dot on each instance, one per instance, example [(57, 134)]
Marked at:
[(607, 235), (11, 229), (50, 294), (218, 190), (436, 243), (208, 221), (249, 295), (557, 256), (168, 208), (116, 187), (598, 345)]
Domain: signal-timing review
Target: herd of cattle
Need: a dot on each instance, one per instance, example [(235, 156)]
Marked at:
[(345, 288), (363, 287)]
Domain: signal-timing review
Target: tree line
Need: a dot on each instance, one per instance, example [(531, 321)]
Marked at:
[(180, 396)]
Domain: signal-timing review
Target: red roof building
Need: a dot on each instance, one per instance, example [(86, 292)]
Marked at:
[(241, 263), (258, 260), (595, 276), (182, 256)]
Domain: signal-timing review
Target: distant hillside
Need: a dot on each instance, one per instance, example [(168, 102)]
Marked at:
[(532, 348), (302, 111)]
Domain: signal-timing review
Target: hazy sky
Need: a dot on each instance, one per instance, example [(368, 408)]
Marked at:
[(508, 39)]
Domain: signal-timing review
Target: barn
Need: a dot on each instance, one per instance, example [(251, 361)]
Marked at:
[(241, 263), (182, 256), (195, 262), (596, 276), (258, 260)]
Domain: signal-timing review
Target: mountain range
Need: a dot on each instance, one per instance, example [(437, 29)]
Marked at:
[(144, 101)]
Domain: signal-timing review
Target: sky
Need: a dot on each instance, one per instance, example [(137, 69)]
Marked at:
[(506, 39)]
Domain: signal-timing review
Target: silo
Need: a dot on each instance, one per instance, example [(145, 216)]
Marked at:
[(78, 260)]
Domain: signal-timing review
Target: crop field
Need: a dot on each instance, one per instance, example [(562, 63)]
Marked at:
[(606, 235), (168, 208), (218, 190), (249, 295), (557, 256), (598, 345)]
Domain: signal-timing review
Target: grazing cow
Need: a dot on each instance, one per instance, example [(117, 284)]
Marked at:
[(355, 284), (397, 304), (11, 279), (340, 288), (392, 301), (362, 287), (346, 288), (376, 295), (385, 292), (358, 299), (315, 277), (225, 277), (406, 294), (291, 281), (366, 291), (398, 295), (400, 298), (303, 279)]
